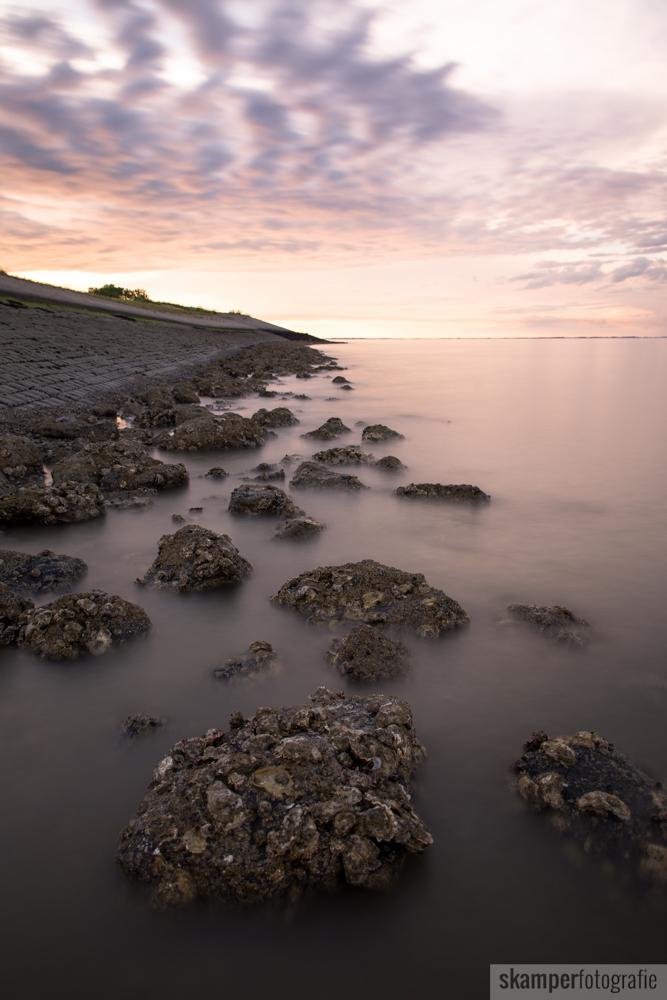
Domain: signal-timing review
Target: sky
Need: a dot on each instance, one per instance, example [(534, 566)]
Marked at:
[(431, 168)]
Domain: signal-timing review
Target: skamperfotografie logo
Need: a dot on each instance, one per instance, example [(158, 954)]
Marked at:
[(579, 981)]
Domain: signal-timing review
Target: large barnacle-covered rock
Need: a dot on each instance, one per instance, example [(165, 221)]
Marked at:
[(595, 795), (290, 800), (368, 591), (229, 430), (43, 572), (78, 624), (64, 504), (195, 558), (118, 465)]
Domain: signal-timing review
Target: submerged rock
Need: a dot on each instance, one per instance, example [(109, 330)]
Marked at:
[(379, 432), (293, 799), (368, 591), (311, 474), (350, 454), (331, 428), (41, 573), (229, 430), (280, 417), (77, 624), (366, 654), (256, 499), (389, 464), (13, 612), (131, 499), (298, 527), (118, 465), (52, 504), (195, 558), (216, 473), (595, 795), (341, 379), (137, 725), (267, 472), (557, 622), (19, 457), (436, 491), (292, 458), (259, 656)]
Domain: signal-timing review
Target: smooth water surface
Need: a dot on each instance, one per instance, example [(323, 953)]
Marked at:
[(568, 438)]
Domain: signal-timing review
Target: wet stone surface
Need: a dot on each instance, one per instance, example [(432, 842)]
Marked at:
[(368, 591), (120, 465), (366, 654), (259, 656), (311, 474), (331, 428), (43, 572), (78, 624), (230, 430), (196, 559), (556, 623), (436, 491), (592, 793), (280, 417), (262, 499), (298, 527), (294, 799), (64, 504), (379, 432)]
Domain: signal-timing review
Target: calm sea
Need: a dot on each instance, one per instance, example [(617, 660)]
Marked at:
[(568, 437)]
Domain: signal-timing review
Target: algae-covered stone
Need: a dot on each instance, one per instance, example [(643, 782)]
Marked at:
[(436, 491), (379, 432), (368, 591), (290, 800), (311, 474), (260, 656), (13, 612), (298, 527), (195, 558), (64, 504), (331, 428), (595, 795), (366, 654), (557, 622), (77, 624), (41, 573), (254, 498)]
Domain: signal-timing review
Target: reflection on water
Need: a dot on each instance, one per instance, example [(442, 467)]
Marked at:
[(567, 437)]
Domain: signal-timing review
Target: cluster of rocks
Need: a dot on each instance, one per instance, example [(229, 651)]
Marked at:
[(41, 573), (376, 594), (366, 654), (595, 795), (292, 800), (557, 622), (436, 491), (64, 504), (250, 369), (196, 559), (118, 465), (72, 626), (259, 656)]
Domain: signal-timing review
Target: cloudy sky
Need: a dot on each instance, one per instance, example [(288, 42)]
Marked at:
[(407, 168)]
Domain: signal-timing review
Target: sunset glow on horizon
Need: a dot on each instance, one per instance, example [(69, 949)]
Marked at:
[(345, 168)]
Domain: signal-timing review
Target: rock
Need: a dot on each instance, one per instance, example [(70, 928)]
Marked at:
[(258, 657), (389, 464), (52, 504), (184, 392), (5, 485), (280, 417), (77, 624), (173, 416), (557, 623), (331, 428), (292, 800), (292, 458), (229, 430), (59, 429), (311, 474), (596, 796), (298, 527), (104, 410), (251, 499), (365, 654), (41, 573), (19, 457), (267, 472), (14, 611), (368, 591), (348, 387), (131, 499), (351, 454), (451, 493), (379, 432), (177, 517), (216, 473), (302, 395), (137, 725), (339, 378), (195, 558), (119, 465)]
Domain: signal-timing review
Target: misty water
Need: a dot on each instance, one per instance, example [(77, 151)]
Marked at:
[(568, 438)]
